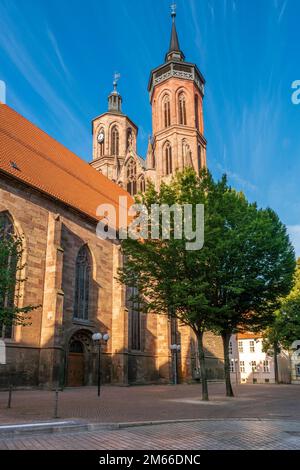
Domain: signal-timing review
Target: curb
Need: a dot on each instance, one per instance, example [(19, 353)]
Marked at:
[(16, 430)]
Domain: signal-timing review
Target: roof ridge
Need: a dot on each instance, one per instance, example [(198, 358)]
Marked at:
[(43, 155)]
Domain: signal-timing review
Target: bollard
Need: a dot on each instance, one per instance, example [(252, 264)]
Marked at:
[(56, 405), (9, 396)]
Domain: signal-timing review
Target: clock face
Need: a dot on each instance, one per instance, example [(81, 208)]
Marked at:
[(100, 137)]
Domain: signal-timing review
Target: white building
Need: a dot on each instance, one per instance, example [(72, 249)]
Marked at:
[(295, 362), (249, 364)]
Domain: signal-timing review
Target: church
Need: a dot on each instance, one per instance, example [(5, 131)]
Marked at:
[(49, 197)]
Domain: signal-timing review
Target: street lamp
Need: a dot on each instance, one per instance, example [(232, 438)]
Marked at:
[(175, 348), (96, 337)]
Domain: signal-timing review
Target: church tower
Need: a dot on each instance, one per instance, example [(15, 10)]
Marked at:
[(176, 94), (114, 137)]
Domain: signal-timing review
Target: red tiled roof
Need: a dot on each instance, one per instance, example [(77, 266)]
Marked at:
[(42, 162), (249, 335)]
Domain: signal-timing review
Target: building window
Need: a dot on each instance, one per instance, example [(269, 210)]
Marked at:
[(253, 366), (129, 138), (252, 346), (242, 366), (298, 370), (82, 284), (101, 139), (131, 177), (197, 112), (168, 159), (167, 111), (182, 109), (142, 185), (133, 306), (9, 261), (266, 365), (241, 346), (199, 157), (114, 141), (230, 347)]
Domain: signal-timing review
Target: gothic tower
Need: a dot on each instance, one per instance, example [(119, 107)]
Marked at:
[(176, 94), (114, 136)]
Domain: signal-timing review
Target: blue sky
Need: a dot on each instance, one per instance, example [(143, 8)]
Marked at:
[(57, 59)]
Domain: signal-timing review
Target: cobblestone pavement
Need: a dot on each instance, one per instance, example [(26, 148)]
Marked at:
[(152, 402), (201, 435)]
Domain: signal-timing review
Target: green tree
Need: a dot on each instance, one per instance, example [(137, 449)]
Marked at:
[(233, 283), (171, 279), (11, 269), (250, 260), (286, 323)]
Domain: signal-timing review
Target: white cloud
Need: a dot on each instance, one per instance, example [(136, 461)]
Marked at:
[(294, 232)]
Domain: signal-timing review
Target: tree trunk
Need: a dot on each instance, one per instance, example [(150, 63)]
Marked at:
[(226, 338), (275, 347), (202, 367)]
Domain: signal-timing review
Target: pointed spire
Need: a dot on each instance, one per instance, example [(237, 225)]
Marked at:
[(174, 52)]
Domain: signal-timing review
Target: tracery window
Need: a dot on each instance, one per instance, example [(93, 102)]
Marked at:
[(167, 111), (168, 159), (131, 177), (182, 109), (82, 284), (114, 141), (8, 261)]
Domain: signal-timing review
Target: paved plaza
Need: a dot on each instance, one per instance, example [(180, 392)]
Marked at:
[(258, 417), (201, 435), (152, 403)]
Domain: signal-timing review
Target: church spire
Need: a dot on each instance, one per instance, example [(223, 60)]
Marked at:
[(174, 52), (115, 99)]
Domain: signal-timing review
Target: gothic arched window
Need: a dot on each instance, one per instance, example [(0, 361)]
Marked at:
[(142, 185), (82, 284), (197, 112), (134, 317), (114, 141), (129, 138), (167, 111), (168, 158), (101, 140), (182, 109), (8, 261), (131, 177), (199, 157)]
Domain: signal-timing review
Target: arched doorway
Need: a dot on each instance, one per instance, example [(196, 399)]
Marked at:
[(75, 364)]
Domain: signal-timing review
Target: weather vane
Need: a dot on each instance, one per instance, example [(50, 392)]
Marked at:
[(116, 78), (173, 9)]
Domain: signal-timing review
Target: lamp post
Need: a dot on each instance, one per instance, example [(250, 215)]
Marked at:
[(175, 348), (97, 337)]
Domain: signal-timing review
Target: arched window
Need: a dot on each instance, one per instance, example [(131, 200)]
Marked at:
[(167, 111), (199, 157), (82, 284), (131, 177), (101, 141), (8, 264), (168, 158), (182, 109), (129, 139), (114, 141), (196, 112), (134, 317), (142, 185)]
